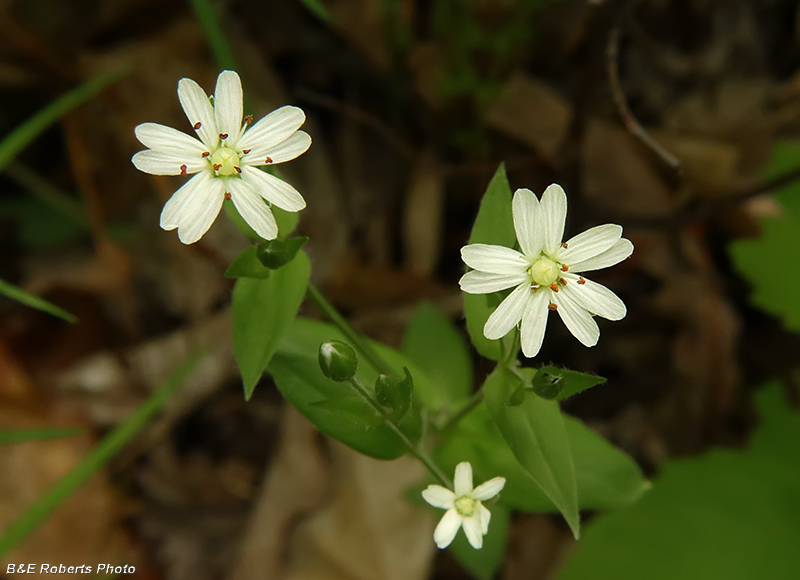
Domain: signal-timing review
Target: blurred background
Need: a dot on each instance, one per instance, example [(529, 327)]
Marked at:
[(673, 118)]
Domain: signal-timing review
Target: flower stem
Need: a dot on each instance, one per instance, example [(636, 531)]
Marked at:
[(415, 450), (473, 402)]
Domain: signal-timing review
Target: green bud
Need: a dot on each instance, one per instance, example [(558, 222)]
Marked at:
[(338, 360), (394, 394)]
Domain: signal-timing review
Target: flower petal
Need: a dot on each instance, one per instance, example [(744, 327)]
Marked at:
[(476, 282), (494, 259), (534, 323), (508, 314), (168, 140), (489, 489), (597, 299), (229, 105), (291, 148), (274, 190), (273, 129), (198, 109), (525, 208), (252, 208), (194, 207), (486, 517), (551, 217), (588, 244), (474, 530), (462, 482), (160, 163), (576, 318), (614, 255), (174, 212), (447, 529), (439, 496)]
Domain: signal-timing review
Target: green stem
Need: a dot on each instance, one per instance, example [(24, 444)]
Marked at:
[(358, 341), (415, 450), (209, 22), (473, 402)]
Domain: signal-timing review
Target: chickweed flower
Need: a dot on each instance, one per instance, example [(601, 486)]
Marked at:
[(464, 507), (223, 159), (547, 274)]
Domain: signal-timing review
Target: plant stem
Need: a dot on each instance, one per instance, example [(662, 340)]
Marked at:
[(473, 402)]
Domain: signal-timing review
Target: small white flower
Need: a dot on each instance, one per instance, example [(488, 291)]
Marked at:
[(224, 159), (547, 274), (464, 507)]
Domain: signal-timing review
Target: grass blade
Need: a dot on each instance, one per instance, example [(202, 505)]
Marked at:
[(209, 21), (18, 294), (13, 436)]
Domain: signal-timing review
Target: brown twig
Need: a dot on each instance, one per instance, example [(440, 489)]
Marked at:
[(630, 121)]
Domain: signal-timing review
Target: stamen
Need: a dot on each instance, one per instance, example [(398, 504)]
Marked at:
[(217, 166), (223, 136), (269, 160), (562, 281), (553, 306), (205, 154), (582, 280), (246, 151), (238, 169), (564, 245), (554, 287), (197, 125), (184, 170), (564, 267), (228, 195), (248, 119)]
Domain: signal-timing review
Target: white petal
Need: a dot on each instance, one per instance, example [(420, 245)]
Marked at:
[(174, 211), (489, 489), (274, 190), (229, 105), (525, 208), (508, 314), (168, 140), (462, 482), (576, 318), (198, 109), (474, 530), (160, 163), (534, 323), (551, 217), (494, 259), (439, 496), (252, 208), (596, 298), (447, 529), (486, 517), (476, 282), (614, 255), (589, 244), (291, 148), (194, 207), (273, 129)]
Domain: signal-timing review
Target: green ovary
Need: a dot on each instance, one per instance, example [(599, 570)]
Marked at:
[(465, 506), (544, 271), (225, 161)]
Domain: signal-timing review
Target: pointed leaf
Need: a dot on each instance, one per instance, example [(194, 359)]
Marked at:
[(247, 265), (353, 407), (275, 254), (551, 382)]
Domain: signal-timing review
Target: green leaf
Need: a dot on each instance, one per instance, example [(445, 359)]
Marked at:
[(551, 382), (352, 406), (394, 394), (276, 253), (483, 564), (536, 434), (435, 345), (727, 514), (493, 225), (263, 310), (18, 294), (247, 265), (25, 435), (318, 8)]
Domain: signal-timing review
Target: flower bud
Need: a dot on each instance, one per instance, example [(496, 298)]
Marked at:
[(338, 360)]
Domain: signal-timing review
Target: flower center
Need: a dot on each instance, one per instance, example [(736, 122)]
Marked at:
[(225, 161), (544, 271), (465, 506)]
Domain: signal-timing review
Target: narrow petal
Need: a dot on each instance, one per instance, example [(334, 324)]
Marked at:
[(160, 163), (494, 259), (198, 109), (200, 209), (576, 318), (614, 255), (551, 217), (252, 208), (439, 496), (273, 129), (508, 314), (486, 517), (474, 530), (291, 148), (534, 323), (525, 208), (175, 210), (229, 105), (588, 244), (462, 482), (447, 529), (274, 190), (596, 298), (168, 140), (476, 282), (489, 489)]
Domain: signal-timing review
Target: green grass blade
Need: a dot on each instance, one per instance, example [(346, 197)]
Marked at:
[(94, 460), (22, 136), (317, 8), (18, 294), (13, 436), (209, 21), (46, 192)]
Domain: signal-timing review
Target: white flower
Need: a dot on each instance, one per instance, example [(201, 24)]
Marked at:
[(224, 159), (464, 507), (547, 274)]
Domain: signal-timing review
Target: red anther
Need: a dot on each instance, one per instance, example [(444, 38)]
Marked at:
[(553, 306), (268, 159), (184, 169), (228, 195), (238, 169), (554, 287), (205, 154), (562, 281), (564, 245), (564, 267), (246, 151), (248, 119), (582, 280), (217, 166), (223, 136), (197, 125)]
